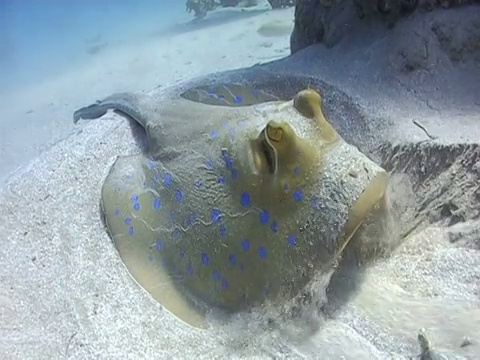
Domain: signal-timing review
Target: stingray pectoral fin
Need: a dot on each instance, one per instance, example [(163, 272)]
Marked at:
[(131, 217), (126, 103), (90, 112)]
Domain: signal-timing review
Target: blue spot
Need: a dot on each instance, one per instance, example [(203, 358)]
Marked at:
[(232, 259), (211, 91), (245, 245), (223, 230), (178, 195), (182, 253), (315, 202), (292, 240), (127, 221), (274, 226), (190, 269), (234, 173), (167, 180), (189, 220), (116, 212), (298, 195), (136, 206), (209, 164), (264, 216), (237, 99), (198, 184), (285, 187), (159, 244), (157, 204), (232, 132), (151, 164), (134, 198), (225, 284), (213, 134), (205, 259), (262, 252), (130, 231), (215, 215), (175, 234), (216, 275), (296, 170), (245, 199), (228, 160), (221, 179)]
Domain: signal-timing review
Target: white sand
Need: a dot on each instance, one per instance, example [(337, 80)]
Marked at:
[(65, 293)]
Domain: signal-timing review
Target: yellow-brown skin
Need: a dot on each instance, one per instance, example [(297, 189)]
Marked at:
[(266, 156)]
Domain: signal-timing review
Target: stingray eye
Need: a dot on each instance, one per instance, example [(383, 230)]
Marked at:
[(274, 133)]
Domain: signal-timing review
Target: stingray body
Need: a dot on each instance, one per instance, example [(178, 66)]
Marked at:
[(237, 205)]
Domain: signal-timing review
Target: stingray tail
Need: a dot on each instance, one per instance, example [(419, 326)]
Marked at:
[(125, 103)]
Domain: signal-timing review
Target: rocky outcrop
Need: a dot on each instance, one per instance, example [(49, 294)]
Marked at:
[(329, 21), (278, 4), (201, 7)]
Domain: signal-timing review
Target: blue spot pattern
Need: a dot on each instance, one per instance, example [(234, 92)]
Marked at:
[(215, 215), (228, 160), (205, 259), (245, 199), (234, 259), (292, 240), (262, 252), (264, 217), (216, 275), (157, 204), (167, 180), (298, 195), (274, 226), (178, 195)]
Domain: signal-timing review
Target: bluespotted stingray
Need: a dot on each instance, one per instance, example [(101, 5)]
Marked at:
[(233, 206)]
